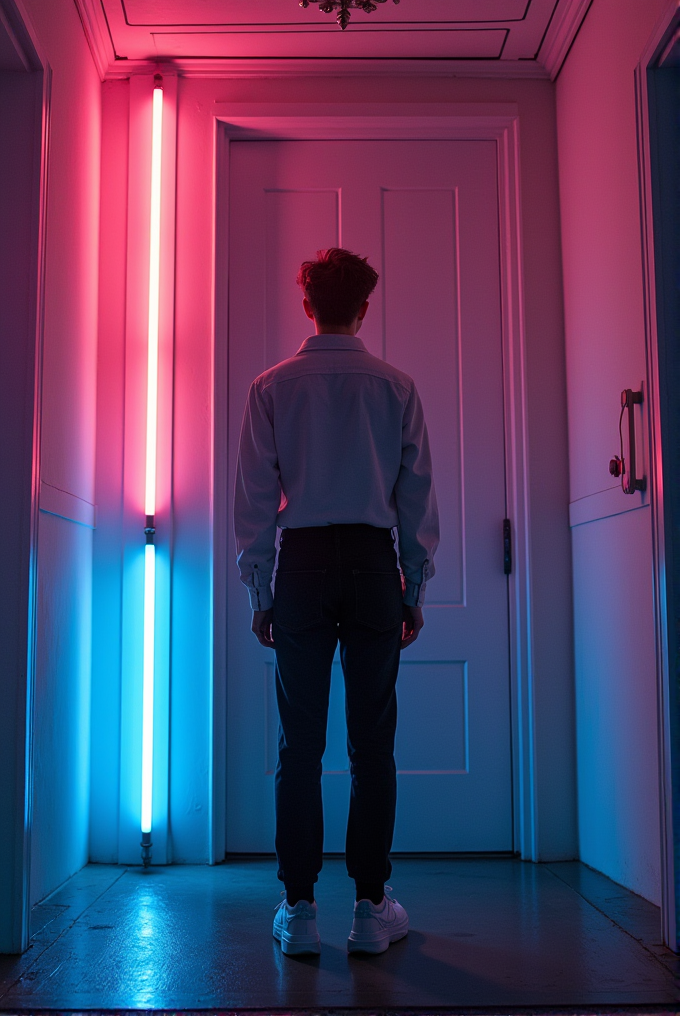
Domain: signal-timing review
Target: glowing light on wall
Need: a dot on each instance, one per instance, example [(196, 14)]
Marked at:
[(150, 473), (147, 692), (154, 301)]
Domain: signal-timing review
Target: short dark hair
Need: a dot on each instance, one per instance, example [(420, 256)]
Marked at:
[(337, 284)]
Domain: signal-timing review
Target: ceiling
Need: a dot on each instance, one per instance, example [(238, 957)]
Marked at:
[(505, 37)]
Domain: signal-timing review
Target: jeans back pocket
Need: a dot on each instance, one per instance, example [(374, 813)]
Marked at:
[(298, 598), (378, 598)]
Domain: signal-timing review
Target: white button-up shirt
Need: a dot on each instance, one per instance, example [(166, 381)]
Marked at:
[(334, 435)]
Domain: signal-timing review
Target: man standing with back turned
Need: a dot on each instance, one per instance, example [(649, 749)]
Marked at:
[(334, 450)]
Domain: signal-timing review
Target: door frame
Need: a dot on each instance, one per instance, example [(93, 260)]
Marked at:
[(21, 396), (498, 122), (665, 547)]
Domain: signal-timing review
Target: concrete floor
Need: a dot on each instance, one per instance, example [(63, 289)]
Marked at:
[(484, 932)]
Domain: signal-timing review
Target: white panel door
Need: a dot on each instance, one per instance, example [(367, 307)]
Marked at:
[(426, 214)]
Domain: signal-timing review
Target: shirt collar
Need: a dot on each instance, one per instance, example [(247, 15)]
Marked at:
[(332, 342)]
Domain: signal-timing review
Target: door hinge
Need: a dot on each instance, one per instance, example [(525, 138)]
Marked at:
[(507, 547)]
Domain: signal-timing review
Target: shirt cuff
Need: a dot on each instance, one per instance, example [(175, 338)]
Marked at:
[(414, 593), (261, 598)]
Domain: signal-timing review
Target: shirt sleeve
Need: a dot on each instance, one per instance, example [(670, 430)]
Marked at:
[(256, 499), (416, 504)]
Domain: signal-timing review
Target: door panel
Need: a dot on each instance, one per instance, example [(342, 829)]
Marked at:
[(296, 221), (420, 266), (426, 215)]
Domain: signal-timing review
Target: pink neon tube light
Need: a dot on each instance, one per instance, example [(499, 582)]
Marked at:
[(150, 473)]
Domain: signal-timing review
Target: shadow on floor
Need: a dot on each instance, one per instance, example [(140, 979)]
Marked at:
[(484, 932)]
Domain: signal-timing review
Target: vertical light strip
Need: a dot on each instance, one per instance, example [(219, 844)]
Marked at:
[(150, 477), (147, 702)]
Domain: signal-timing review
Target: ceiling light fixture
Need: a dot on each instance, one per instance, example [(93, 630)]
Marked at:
[(343, 7)]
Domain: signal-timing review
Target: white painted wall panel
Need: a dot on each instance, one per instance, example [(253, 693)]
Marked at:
[(616, 701), (108, 538), (62, 704)]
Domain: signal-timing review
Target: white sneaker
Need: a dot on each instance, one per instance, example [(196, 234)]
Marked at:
[(375, 927), (295, 928)]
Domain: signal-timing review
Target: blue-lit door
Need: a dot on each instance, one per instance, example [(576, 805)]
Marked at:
[(426, 215)]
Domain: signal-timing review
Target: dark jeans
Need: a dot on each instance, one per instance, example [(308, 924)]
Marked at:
[(336, 582)]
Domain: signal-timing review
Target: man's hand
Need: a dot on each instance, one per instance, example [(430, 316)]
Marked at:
[(413, 622), (262, 626)]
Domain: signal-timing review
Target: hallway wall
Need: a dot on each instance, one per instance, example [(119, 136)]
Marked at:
[(62, 700), (618, 788)]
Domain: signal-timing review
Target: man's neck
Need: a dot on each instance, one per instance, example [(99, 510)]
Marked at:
[(335, 329)]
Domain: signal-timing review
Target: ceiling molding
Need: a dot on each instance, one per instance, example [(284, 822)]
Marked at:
[(108, 66), (347, 67), (97, 35), (469, 125), (561, 33), (366, 121)]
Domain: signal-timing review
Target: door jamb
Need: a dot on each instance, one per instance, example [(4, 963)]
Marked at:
[(475, 121), (668, 22), (27, 377)]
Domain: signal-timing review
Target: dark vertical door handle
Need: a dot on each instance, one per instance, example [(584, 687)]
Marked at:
[(630, 481), (507, 547)]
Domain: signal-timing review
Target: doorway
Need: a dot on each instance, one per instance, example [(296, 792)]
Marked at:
[(458, 182), (426, 214)]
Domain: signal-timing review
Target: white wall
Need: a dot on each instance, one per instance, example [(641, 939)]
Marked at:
[(614, 638), (62, 747), (107, 576), (192, 442)]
